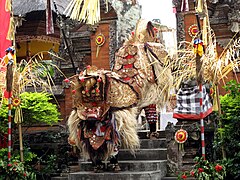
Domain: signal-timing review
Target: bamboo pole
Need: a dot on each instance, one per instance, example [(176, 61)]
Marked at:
[(20, 141), (200, 80), (19, 119), (220, 122), (199, 77)]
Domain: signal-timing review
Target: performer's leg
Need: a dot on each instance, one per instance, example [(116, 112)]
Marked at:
[(152, 116), (97, 163), (98, 166), (113, 166), (114, 159), (153, 127)]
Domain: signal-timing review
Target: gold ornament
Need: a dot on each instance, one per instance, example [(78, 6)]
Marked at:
[(99, 40)]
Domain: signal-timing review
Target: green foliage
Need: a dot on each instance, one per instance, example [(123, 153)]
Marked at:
[(3, 118), (45, 69), (50, 164), (205, 170), (229, 132), (233, 87), (37, 108), (15, 169)]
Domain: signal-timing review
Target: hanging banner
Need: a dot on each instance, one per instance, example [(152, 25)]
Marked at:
[(184, 6), (5, 22), (49, 19)]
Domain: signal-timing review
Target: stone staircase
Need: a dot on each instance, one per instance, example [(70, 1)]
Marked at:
[(149, 163)]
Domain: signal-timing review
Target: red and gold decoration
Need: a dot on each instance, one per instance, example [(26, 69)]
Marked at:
[(193, 30), (100, 40), (181, 136), (16, 102)]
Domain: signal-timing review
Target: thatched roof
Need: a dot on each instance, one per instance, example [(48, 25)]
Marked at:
[(21, 7)]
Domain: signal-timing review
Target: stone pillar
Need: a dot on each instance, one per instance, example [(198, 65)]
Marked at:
[(181, 159)]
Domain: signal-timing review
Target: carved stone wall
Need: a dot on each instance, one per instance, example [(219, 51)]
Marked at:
[(224, 19), (128, 14), (230, 9), (113, 42), (180, 27)]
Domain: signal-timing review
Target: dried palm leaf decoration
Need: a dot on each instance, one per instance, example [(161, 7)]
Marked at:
[(84, 10)]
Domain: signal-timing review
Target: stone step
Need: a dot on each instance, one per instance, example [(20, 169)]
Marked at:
[(143, 134), (74, 168), (64, 176), (175, 178), (148, 163), (169, 178), (151, 144), (153, 165), (143, 154), (60, 178), (123, 175)]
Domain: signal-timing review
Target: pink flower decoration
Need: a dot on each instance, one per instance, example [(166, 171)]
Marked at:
[(82, 79), (66, 80), (200, 170), (155, 29), (184, 176), (99, 80), (218, 168), (97, 90)]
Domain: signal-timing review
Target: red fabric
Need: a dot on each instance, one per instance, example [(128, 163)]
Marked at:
[(128, 66), (151, 113), (7, 94), (129, 56), (192, 116), (4, 21), (152, 106), (127, 79)]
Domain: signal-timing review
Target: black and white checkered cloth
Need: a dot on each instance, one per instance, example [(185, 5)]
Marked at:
[(188, 103)]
